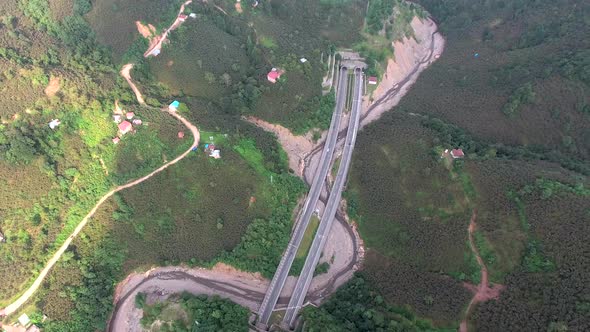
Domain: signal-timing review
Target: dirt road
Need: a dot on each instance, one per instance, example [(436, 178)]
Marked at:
[(126, 73), (483, 292), (156, 43)]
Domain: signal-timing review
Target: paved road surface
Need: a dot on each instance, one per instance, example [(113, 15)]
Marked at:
[(278, 281), (321, 236)]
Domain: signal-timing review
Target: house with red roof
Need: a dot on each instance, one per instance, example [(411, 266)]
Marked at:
[(180, 134), (274, 75), (116, 140), (182, 17), (372, 80), (125, 127), (129, 115), (457, 153)]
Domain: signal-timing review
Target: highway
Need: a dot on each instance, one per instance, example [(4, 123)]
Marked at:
[(276, 286), (321, 236)]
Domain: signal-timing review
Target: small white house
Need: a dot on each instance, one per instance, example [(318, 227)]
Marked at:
[(117, 118), (24, 320), (216, 154), (54, 123)]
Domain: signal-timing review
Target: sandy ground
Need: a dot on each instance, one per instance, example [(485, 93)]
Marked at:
[(338, 252), (53, 86), (412, 57), (147, 31), (246, 289), (405, 69), (483, 291), (243, 288)]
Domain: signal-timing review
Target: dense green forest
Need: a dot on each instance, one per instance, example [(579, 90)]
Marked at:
[(359, 306), (511, 90), (182, 312)]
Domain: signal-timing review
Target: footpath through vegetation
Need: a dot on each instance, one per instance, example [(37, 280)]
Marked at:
[(483, 291)]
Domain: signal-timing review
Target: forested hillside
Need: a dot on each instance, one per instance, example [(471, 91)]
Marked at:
[(511, 89)]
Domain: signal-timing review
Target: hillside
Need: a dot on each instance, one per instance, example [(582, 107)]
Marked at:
[(61, 62), (511, 89), (52, 177)]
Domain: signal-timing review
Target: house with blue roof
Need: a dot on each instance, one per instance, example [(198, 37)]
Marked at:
[(174, 106)]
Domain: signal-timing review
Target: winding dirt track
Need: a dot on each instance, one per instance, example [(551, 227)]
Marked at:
[(33, 288), (126, 73), (157, 42), (483, 292)]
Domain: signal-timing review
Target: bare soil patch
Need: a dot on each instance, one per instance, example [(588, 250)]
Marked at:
[(239, 7), (412, 56), (147, 31), (53, 86), (230, 270)]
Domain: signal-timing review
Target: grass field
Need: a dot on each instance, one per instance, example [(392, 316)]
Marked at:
[(413, 215), (509, 79), (202, 61), (308, 237), (414, 198), (154, 142), (193, 211), (305, 245), (554, 261), (498, 216)]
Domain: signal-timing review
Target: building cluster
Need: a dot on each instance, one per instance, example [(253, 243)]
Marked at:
[(125, 122), (212, 151)]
